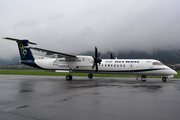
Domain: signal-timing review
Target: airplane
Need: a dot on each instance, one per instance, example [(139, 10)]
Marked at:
[(88, 64)]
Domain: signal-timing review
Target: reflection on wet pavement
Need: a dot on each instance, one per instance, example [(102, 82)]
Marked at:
[(51, 97)]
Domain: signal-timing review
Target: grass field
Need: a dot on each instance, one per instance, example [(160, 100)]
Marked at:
[(41, 72)]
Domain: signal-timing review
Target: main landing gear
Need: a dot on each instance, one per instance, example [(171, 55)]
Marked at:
[(164, 79), (69, 77), (90, 75)]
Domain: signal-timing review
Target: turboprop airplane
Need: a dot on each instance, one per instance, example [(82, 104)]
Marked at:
[(89, 64)]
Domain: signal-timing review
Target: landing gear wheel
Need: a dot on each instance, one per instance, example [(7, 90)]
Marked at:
[(143, 77), (90, 75), (164, 79), (68, 77)]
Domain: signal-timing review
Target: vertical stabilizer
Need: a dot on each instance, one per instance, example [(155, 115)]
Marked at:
[(25, 52)]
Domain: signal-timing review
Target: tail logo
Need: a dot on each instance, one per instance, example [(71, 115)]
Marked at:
[(23, 51)]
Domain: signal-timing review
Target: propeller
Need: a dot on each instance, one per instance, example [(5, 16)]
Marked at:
[(112, 56), (96, 60)]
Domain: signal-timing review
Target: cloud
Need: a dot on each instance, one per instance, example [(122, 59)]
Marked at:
[(78, 26)]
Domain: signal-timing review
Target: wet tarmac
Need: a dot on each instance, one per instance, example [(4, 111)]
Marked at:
[(54, 98)]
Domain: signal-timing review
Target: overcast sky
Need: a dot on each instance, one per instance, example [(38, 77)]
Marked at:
[(76, 26)]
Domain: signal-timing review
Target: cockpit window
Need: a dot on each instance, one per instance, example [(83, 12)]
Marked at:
[(157, 63)]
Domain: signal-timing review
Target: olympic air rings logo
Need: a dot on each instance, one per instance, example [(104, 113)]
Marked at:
[(23, 51)]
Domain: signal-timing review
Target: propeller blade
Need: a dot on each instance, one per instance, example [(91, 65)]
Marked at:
[(96, 59), (93, 65), (96, 67), (96, 51), (111, 56), (99, 54)]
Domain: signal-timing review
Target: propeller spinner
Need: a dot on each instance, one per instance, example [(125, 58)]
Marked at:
[(96, 59)]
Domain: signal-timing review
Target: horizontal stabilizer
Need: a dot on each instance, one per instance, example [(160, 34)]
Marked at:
[(18, 40)]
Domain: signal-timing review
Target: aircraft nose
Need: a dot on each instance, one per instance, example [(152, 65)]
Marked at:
[(171, 71), (175, 73)]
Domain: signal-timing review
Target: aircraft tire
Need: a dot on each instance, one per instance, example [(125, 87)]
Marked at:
[(164, 79), (68, 77), (90, 75)]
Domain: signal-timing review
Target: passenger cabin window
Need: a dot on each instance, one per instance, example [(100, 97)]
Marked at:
[(157, 63)]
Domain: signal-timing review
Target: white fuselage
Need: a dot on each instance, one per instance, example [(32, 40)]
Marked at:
[(83, 64)]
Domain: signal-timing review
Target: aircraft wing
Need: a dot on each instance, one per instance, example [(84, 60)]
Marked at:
[(49, 52)]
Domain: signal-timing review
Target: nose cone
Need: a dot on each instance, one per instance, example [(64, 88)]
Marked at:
[(170, 71), (174, 72)]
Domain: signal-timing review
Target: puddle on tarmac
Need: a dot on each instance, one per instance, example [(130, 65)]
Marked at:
[(22, 106), (152, 87), (26, 90)]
